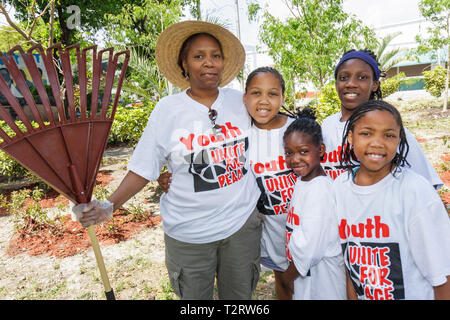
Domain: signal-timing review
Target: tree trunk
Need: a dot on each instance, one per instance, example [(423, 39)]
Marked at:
[(52, 19), (66, 32), (444, 109)]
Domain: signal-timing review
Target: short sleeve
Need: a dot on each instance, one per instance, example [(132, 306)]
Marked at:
[(419, 162), (429, 240), (317, 233), (149, 155)]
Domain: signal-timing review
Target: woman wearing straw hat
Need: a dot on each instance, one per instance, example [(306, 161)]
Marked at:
[(209, 218)]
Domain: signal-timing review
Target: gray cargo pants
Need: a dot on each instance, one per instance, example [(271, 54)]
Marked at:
[(235, 260)]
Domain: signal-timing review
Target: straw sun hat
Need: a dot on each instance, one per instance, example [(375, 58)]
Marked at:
[(171, 39)]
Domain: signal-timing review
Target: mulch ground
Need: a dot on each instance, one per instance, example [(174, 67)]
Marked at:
[(69, 237)]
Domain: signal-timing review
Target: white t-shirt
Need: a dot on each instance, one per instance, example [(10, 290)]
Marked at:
[(395, 236), (213, 191), (312, 242), (276, 182), (333, 131)]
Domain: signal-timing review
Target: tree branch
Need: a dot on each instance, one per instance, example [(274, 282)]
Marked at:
[(52, 14), (14, 26), (33, 24)]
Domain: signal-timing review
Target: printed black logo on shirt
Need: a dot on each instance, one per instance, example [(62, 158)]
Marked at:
[(375, 269), (276, 192), (219, 166)]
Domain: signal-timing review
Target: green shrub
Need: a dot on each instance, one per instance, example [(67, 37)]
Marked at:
[(28, 216), (11, 168), (327, 103), (435, 81), (391, 85), (129, 123)]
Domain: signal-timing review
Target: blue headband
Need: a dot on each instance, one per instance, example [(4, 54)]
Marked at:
[(363, 56)]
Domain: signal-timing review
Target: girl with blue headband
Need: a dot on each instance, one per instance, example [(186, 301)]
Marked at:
[(357, 77)]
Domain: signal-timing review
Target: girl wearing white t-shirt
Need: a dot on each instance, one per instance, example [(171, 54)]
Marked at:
[(316, 270), (394, 229), (357, 78), (263, 98)]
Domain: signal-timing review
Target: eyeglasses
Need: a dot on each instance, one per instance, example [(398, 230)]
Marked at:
[(213, 116)]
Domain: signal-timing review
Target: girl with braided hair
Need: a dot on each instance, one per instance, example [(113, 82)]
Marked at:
[(393, 227), (316, 269), (357, 78)]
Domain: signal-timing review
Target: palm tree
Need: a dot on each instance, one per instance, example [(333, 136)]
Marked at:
[(142, 65), (388, 59)]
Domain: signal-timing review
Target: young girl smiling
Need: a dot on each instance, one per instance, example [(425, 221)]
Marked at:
[(394, 229), (263, 98), (316, 269)]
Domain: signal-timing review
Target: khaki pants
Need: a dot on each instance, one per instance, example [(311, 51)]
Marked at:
[(193, 267)]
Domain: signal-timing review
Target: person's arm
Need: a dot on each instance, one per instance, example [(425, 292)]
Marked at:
[(351, 293), (96, 212), (442, 292), (131, 184), (287, 279)]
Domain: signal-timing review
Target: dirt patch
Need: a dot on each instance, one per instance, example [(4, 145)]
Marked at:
[(68, 237), (445, 196), (421, 140), (446, 178), (71, 238)]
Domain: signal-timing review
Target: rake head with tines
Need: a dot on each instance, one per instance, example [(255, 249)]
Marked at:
[(63, 143)]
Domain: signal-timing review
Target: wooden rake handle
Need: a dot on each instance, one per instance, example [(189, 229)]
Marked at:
[(109, 293), (101, 265)]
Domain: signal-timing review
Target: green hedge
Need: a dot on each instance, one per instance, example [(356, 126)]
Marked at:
[(327, 103), (129, 123), (391, 85)]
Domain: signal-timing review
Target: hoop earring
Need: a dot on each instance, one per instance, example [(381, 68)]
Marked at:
[(186, 75)]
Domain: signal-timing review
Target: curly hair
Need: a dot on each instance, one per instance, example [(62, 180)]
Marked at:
[(306, 123)]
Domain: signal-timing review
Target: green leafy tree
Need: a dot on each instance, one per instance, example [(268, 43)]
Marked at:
[(141, 24), (70, 20), (137, 27), (144, 81), (9, 38), (437, 12), (307, 45)]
